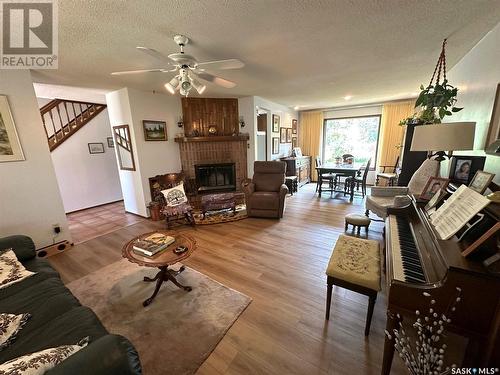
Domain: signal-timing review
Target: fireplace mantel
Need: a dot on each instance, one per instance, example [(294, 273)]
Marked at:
[(213, 138)]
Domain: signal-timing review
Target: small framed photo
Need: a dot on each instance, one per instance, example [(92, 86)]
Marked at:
[(433, 186), (481, 181), (10, 146), (294, 142), (276, 123), (96, 148), (463, 168), (288, 135), (155, 130), (294, 126), (276, 145), (111, 142), (282, 135)]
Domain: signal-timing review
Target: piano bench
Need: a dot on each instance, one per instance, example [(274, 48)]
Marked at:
[(355, 265)]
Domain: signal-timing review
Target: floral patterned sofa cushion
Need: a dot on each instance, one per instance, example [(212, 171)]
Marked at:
[(10, 325), (11, 270), (40, 362)]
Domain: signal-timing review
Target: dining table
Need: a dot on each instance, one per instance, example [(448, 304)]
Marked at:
[(348, 170)]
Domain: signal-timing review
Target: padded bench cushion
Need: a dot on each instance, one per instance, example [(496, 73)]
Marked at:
[(357, 219), (356, 261)]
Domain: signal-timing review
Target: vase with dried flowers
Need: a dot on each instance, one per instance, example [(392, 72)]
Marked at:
[(425, 354)]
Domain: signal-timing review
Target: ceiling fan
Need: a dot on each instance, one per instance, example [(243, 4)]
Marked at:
[(187, 68)]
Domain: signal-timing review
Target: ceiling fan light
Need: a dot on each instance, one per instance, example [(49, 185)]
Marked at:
[(172, 85), (198, 86)]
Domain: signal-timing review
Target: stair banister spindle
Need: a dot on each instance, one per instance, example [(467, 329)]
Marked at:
[(60, 121), (75, 119), (53, 126), (67, 115), (81, 112)]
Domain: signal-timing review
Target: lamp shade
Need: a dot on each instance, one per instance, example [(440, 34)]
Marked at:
[(444, 137)]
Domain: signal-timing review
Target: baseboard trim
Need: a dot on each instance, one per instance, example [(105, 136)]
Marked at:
[(99, 205), (133, 213)]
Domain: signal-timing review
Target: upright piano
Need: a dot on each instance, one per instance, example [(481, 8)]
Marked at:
[(418, 261)]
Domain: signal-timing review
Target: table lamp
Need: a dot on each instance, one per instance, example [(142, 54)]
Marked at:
[(439, 138)]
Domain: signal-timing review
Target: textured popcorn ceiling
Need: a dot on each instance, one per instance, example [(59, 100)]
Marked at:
[(309, 53)]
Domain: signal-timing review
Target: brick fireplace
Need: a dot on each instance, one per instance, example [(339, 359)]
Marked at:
[(218, 150)]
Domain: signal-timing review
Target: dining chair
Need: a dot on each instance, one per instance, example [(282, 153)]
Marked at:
[(330, 177), (389, 173), (340, 176), (359, 180)]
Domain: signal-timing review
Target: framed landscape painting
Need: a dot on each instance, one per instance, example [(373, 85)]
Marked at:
[(155, 130), (10, 147), (96, 148)]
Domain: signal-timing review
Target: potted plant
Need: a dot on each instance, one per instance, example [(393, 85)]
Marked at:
[(437, 100)]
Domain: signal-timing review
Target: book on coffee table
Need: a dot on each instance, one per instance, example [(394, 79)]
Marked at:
[(152, 244)]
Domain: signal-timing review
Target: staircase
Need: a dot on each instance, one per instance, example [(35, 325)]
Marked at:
[(63, 118)]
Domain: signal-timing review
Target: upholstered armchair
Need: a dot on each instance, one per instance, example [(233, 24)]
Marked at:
[(265, 193), (382, 198)]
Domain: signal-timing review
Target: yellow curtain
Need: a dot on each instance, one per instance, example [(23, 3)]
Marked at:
[(391, 133), (311, 136)]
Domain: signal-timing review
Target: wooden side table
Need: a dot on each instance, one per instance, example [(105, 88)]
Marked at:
[(162, 260)]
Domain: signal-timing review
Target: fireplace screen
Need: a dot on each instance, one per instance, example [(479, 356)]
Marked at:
[(215, 177)]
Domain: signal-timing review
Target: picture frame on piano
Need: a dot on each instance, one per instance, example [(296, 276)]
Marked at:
[(481, 181), (463, 168), (432, 187)]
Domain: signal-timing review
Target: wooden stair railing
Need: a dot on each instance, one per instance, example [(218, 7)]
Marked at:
[(63, 118)]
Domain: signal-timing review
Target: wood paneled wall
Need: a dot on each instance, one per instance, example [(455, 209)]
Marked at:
[(201, 113)]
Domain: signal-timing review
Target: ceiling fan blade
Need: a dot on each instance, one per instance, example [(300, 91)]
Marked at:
[(214, 79), (222, 64), (155, 54), (138, 72)]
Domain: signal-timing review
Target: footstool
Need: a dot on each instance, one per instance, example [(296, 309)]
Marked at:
[(357, 220), (221, 201), (355, 265)]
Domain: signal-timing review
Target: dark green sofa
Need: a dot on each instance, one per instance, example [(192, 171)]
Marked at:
[(58, 319)]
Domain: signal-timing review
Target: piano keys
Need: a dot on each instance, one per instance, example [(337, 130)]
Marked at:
[(416, 262)]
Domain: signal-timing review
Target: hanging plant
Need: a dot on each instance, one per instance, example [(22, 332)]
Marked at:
[(437, 100)]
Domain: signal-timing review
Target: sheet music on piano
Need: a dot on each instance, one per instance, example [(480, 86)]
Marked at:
[(458, 209)]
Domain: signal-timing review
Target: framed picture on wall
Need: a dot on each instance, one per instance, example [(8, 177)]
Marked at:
[(288, 135), (276, 123), (154, 130), (96, 148), (282, 135), (276, 145), (294, 126), (463, 168), (10, 147), (123, 148), (294, 142), (111, 142)]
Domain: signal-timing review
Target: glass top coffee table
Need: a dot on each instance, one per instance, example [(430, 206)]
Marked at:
[(162, 260)]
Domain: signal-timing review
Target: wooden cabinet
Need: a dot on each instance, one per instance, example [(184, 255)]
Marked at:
[(300, 167)]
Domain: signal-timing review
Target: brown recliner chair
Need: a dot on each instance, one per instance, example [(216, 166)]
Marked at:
[(265, 193)]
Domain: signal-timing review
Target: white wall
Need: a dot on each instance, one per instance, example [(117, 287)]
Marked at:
[(87, 180), (130, 107), (30, 201), (477, 75), (246, 110)]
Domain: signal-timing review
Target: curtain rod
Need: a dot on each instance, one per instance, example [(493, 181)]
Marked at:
[(356, 106)]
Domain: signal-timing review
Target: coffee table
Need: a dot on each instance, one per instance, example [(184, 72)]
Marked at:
[(162, 260)]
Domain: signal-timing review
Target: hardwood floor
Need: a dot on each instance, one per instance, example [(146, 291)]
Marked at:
[(97, 221), (281, 265)]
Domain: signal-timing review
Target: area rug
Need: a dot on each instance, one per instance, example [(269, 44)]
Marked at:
[(220, 216), (175, 333)]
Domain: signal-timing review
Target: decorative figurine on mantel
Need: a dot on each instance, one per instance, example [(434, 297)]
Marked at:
[(212, 130)]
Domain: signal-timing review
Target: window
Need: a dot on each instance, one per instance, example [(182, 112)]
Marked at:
[(353, 135)]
